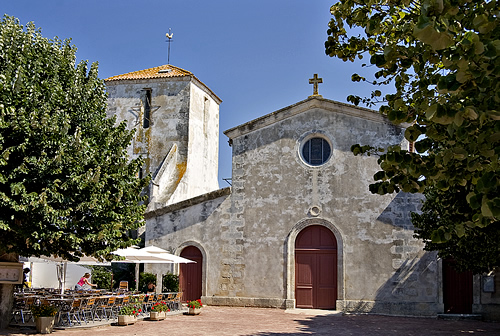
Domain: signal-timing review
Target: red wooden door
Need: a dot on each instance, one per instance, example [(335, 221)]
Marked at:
[(457, 289), (316, 268), (190, 274)]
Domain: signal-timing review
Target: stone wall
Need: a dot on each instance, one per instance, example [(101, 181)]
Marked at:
[(180, 145), (248, 237), (169, 116)]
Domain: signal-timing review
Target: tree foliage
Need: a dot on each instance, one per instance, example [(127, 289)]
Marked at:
[(66, 185), (474, 249), (170, 282), (101, 276), (442, 57), (145, 278)]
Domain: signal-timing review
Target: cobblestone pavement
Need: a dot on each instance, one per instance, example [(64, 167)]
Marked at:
[(221, 321)]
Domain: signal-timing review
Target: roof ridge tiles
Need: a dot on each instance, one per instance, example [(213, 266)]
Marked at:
[(162, 71)]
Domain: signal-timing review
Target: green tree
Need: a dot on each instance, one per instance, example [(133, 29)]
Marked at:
[(101, 276), (170, 282), (441, 58), (145, 278), (67, 186), (474, 244)]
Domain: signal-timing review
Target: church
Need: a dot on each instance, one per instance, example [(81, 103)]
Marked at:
[(298, 227)]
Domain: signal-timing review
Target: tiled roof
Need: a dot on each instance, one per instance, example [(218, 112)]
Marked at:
[(163, 71)]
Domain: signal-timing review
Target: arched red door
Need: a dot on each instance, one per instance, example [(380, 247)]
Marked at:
[(316, 268), (190, 274)]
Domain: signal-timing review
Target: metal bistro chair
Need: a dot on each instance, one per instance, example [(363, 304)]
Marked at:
[(88, 311), (107, 308), (177, 301), (123, 285), (120, 303), (148, 302), (170, 299), (72, 316), (22, 310)]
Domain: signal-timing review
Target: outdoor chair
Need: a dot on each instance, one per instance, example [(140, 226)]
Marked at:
[(121, 302), (148, 302), (107, 308), (170, 299), (177, 301), (72, 316), (87, 311), (22, 310), (123, 285), (158, 298)]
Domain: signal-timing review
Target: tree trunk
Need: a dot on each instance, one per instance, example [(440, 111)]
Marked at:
[(6, 294)]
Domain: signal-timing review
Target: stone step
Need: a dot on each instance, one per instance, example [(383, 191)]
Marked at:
[(477, 317)]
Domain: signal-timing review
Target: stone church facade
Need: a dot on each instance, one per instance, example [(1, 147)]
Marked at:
[(298, 227)]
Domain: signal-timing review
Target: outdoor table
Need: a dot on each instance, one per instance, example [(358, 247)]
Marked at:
[(62, 304)]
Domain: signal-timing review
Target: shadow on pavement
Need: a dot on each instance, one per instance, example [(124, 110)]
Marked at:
[(355, 325)]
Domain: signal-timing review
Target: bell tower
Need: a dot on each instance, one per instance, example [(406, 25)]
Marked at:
[(176, 122)]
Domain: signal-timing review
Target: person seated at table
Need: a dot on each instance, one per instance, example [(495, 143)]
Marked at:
[(84, 283), (149, 288)]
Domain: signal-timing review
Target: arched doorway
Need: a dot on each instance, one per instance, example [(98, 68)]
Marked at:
[(190, 274), (316, 268)]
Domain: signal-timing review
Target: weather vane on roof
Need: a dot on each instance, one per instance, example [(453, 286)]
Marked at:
[(169, 35)]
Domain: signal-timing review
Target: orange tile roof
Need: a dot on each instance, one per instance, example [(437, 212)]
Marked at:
[(163, 71)]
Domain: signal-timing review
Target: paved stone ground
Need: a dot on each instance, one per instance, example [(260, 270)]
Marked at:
[(221, 321)]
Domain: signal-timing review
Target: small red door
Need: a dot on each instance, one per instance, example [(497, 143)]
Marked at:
[(457, 289), (316, 268), (190, 274)]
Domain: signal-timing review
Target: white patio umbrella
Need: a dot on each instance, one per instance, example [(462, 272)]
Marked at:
[(85, 260), (63, 265), (157, 251), (138, 256), (148, 255)]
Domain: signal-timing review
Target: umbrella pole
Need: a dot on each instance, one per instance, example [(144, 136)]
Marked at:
[(159, 283), (65, 267), (137, 276), (59, 270)]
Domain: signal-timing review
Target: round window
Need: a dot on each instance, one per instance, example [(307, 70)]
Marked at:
[(316, 151)]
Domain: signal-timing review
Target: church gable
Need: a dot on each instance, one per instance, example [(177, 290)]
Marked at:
[(306, 105)]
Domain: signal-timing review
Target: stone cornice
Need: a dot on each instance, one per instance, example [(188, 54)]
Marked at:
[(302, 106), (187, 203)]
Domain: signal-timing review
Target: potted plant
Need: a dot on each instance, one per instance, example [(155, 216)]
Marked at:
[(128, 314), (44, 317), (159, 311), (194, 307)]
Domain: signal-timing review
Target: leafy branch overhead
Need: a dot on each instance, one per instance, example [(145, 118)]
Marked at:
[(66, 184), (442, 61)]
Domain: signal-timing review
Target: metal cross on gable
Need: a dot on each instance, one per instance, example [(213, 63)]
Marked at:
[(315, 81)]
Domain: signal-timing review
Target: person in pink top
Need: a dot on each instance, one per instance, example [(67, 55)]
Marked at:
[(84, 282)]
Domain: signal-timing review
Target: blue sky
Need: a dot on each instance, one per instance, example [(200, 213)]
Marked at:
[(257, 56)]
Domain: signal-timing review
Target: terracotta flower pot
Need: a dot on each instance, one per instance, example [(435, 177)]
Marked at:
[(194, 311), (126, 319), (157, 316), (44, 324)]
